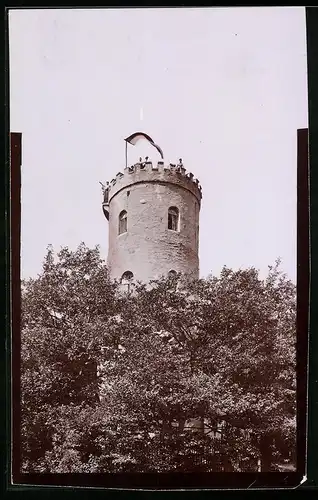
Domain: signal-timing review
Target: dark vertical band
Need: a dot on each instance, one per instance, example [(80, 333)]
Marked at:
[(302, 292), (15, 302)]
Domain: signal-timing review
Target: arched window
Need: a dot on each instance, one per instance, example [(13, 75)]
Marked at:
[(127, 280), (122, 222), (172, 273), (127, 277), (173, 219)]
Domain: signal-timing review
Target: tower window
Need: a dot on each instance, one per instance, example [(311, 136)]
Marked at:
[(173, 219), (172, 273), (122, 226), (127, 277), (127, 280)]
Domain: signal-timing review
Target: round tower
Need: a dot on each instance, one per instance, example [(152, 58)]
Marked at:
[(153, 213)]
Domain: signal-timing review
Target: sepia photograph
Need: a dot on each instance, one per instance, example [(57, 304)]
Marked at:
[(157, 258)]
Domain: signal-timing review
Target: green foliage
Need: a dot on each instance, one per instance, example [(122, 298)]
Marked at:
[(111, 382)]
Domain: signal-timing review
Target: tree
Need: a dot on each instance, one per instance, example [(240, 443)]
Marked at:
[(236, 336), (64, 322), (112, 382)]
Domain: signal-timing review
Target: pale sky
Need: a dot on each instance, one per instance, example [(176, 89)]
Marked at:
[(224, 89)]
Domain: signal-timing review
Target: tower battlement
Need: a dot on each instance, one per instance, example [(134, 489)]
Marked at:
[(159, 173)]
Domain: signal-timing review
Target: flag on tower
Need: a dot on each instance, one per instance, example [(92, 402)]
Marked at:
[(134, 138)]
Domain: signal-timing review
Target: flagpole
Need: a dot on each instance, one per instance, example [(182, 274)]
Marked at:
[(126, 154)]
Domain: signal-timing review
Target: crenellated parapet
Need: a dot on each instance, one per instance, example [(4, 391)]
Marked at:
[(149, 172)]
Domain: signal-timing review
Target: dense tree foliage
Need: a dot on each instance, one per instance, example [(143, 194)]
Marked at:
[(181, 375)]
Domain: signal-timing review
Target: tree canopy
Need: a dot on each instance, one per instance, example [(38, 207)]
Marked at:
[(178, 375)]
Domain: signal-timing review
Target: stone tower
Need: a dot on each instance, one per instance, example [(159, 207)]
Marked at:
[(153, 213)]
